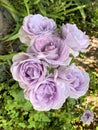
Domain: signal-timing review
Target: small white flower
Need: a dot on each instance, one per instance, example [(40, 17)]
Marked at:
[(87, 117)]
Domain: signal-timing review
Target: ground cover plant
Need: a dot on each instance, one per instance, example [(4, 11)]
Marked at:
[(15, 111)]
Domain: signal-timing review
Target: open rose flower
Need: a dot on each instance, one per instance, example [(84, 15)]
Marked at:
[(74, 38), (43, 72), (87, 117), (27, 69), (51, 49), (78, 80), (34, 25), (48, 94)]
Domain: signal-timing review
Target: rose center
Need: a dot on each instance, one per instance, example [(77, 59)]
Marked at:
[(87, 115), (46, 93), (76, 84), (49, 48), (29, 72)]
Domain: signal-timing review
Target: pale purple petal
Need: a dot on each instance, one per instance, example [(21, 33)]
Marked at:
[(51, 49), (74, 37), (77, 79), (35, 25), (87, 117), (27, 69), (49, 94), (24, 36)]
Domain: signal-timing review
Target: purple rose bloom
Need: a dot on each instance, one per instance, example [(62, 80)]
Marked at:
[(50, 49), (48, 94), (87, 117), (27, 69), (34, 25), (74, 38), (78, 80)]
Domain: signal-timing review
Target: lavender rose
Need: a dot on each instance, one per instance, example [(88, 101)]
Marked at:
[(87, 117), (34, 25), (74, 38), (78, 80), (27, 69), (48, 94), (51, 49)]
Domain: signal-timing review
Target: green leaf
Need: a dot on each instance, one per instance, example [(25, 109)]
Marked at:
[(42, 9), (27, 106), (27, 7), (52, 1), (13, 37), (36, 2), (22, 125), (76, 8), (81, 9), (6, 57)]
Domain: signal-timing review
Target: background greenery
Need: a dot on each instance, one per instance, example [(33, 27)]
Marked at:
[(16, 113)]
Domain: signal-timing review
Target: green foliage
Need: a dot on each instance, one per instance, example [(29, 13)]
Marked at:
[(16, 113), (7, 5), (61, 11), (94, 81), (94, 19), (56, 9)]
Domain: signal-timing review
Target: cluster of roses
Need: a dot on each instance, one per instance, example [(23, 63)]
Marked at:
[(45, 72)]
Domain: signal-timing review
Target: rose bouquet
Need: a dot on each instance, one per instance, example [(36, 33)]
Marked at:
[(45, 72)]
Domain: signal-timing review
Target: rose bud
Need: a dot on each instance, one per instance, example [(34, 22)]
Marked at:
[(87, 117)]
